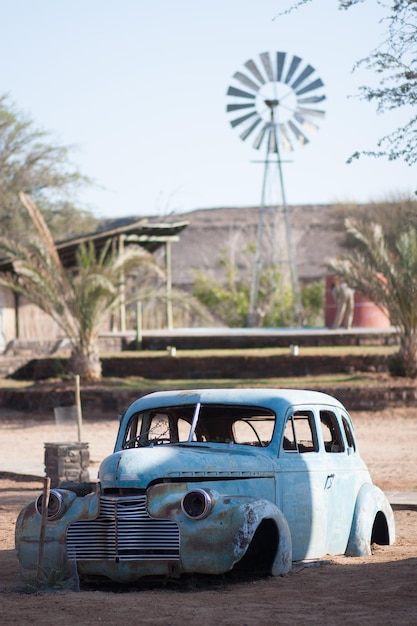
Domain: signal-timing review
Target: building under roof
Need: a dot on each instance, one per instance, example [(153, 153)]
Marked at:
[(148, 234)]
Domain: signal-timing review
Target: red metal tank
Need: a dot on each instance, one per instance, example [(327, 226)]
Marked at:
[(366, 313)]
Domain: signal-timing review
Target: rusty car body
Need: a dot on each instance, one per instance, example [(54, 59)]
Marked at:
[(204, 481)]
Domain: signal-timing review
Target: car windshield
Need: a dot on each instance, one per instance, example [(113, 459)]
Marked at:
[(210, 423)]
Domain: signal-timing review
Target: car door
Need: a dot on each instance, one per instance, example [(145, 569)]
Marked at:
[(300, 482), (342, 477)]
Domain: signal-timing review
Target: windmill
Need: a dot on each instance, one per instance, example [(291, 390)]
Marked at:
[(273, 102)]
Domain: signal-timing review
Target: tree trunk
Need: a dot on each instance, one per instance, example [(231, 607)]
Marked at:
[(86, 363), (408, 356)]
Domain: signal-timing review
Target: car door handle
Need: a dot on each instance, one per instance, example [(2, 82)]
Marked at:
[(329, 481)]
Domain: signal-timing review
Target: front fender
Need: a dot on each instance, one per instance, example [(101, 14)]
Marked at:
[(370, 501), (28, 531), (214, 544)]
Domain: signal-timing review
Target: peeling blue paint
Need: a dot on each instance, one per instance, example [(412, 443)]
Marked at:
[(252, 492)]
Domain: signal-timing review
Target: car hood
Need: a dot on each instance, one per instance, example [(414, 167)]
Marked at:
[(141, 466)]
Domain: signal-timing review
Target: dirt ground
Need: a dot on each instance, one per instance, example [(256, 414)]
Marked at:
[(380, 589)]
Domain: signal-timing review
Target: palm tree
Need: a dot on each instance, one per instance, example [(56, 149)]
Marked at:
[(77, 299), (383, 267)]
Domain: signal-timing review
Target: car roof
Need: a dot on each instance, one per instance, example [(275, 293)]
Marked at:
[(264, 396)]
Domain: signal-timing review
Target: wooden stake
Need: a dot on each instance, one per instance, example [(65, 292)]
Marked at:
[(78, 405), (44, 515)]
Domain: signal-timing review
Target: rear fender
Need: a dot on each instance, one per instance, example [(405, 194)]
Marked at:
[(370, 502)]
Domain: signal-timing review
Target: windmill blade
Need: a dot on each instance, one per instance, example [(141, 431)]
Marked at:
[(310, 112), (237, 107), (250, 129), (246, 81), (312, 100), (280, 88), (258, 141), (232, 91), (302, 77), (295, 62), (280, 65), (251, 66), (300, 137), (265, 58), (240, 120), (276, 101), (285, 139), (314, 85), (306, 125)]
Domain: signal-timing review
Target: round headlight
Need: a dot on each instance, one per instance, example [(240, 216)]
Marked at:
[(197, 503), (55, 504)]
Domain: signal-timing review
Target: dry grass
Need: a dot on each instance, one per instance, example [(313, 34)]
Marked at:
[(258, 352), (324, 381)]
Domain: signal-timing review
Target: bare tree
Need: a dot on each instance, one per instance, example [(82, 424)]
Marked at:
[(394, 64), (32, 162)]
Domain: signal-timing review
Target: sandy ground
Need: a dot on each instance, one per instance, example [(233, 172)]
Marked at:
[(378, 589)]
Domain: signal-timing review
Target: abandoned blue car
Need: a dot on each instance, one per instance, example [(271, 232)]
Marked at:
[(210, 480)]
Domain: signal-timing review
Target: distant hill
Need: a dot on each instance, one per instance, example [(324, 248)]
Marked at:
[(212, 231)]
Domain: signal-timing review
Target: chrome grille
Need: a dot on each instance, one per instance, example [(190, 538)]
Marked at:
[(123, 531)]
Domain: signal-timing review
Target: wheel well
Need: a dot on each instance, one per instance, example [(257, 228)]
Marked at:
[(262, 550), (380, 533)]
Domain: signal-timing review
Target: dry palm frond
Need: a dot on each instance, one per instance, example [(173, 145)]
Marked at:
[(43, 229)]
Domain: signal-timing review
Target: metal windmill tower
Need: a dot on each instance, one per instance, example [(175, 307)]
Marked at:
[(277, 108)]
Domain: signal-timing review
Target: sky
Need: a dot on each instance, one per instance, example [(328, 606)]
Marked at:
[(139, 89)]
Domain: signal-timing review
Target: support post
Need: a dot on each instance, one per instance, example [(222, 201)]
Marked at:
[(170, 323), (78, 405), (273, 146), (122, 289)]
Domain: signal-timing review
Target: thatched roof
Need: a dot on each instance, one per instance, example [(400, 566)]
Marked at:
[(150, 235)]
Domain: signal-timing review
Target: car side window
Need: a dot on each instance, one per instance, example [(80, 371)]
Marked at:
[(348, 432), (332, 437), (300, 433)]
